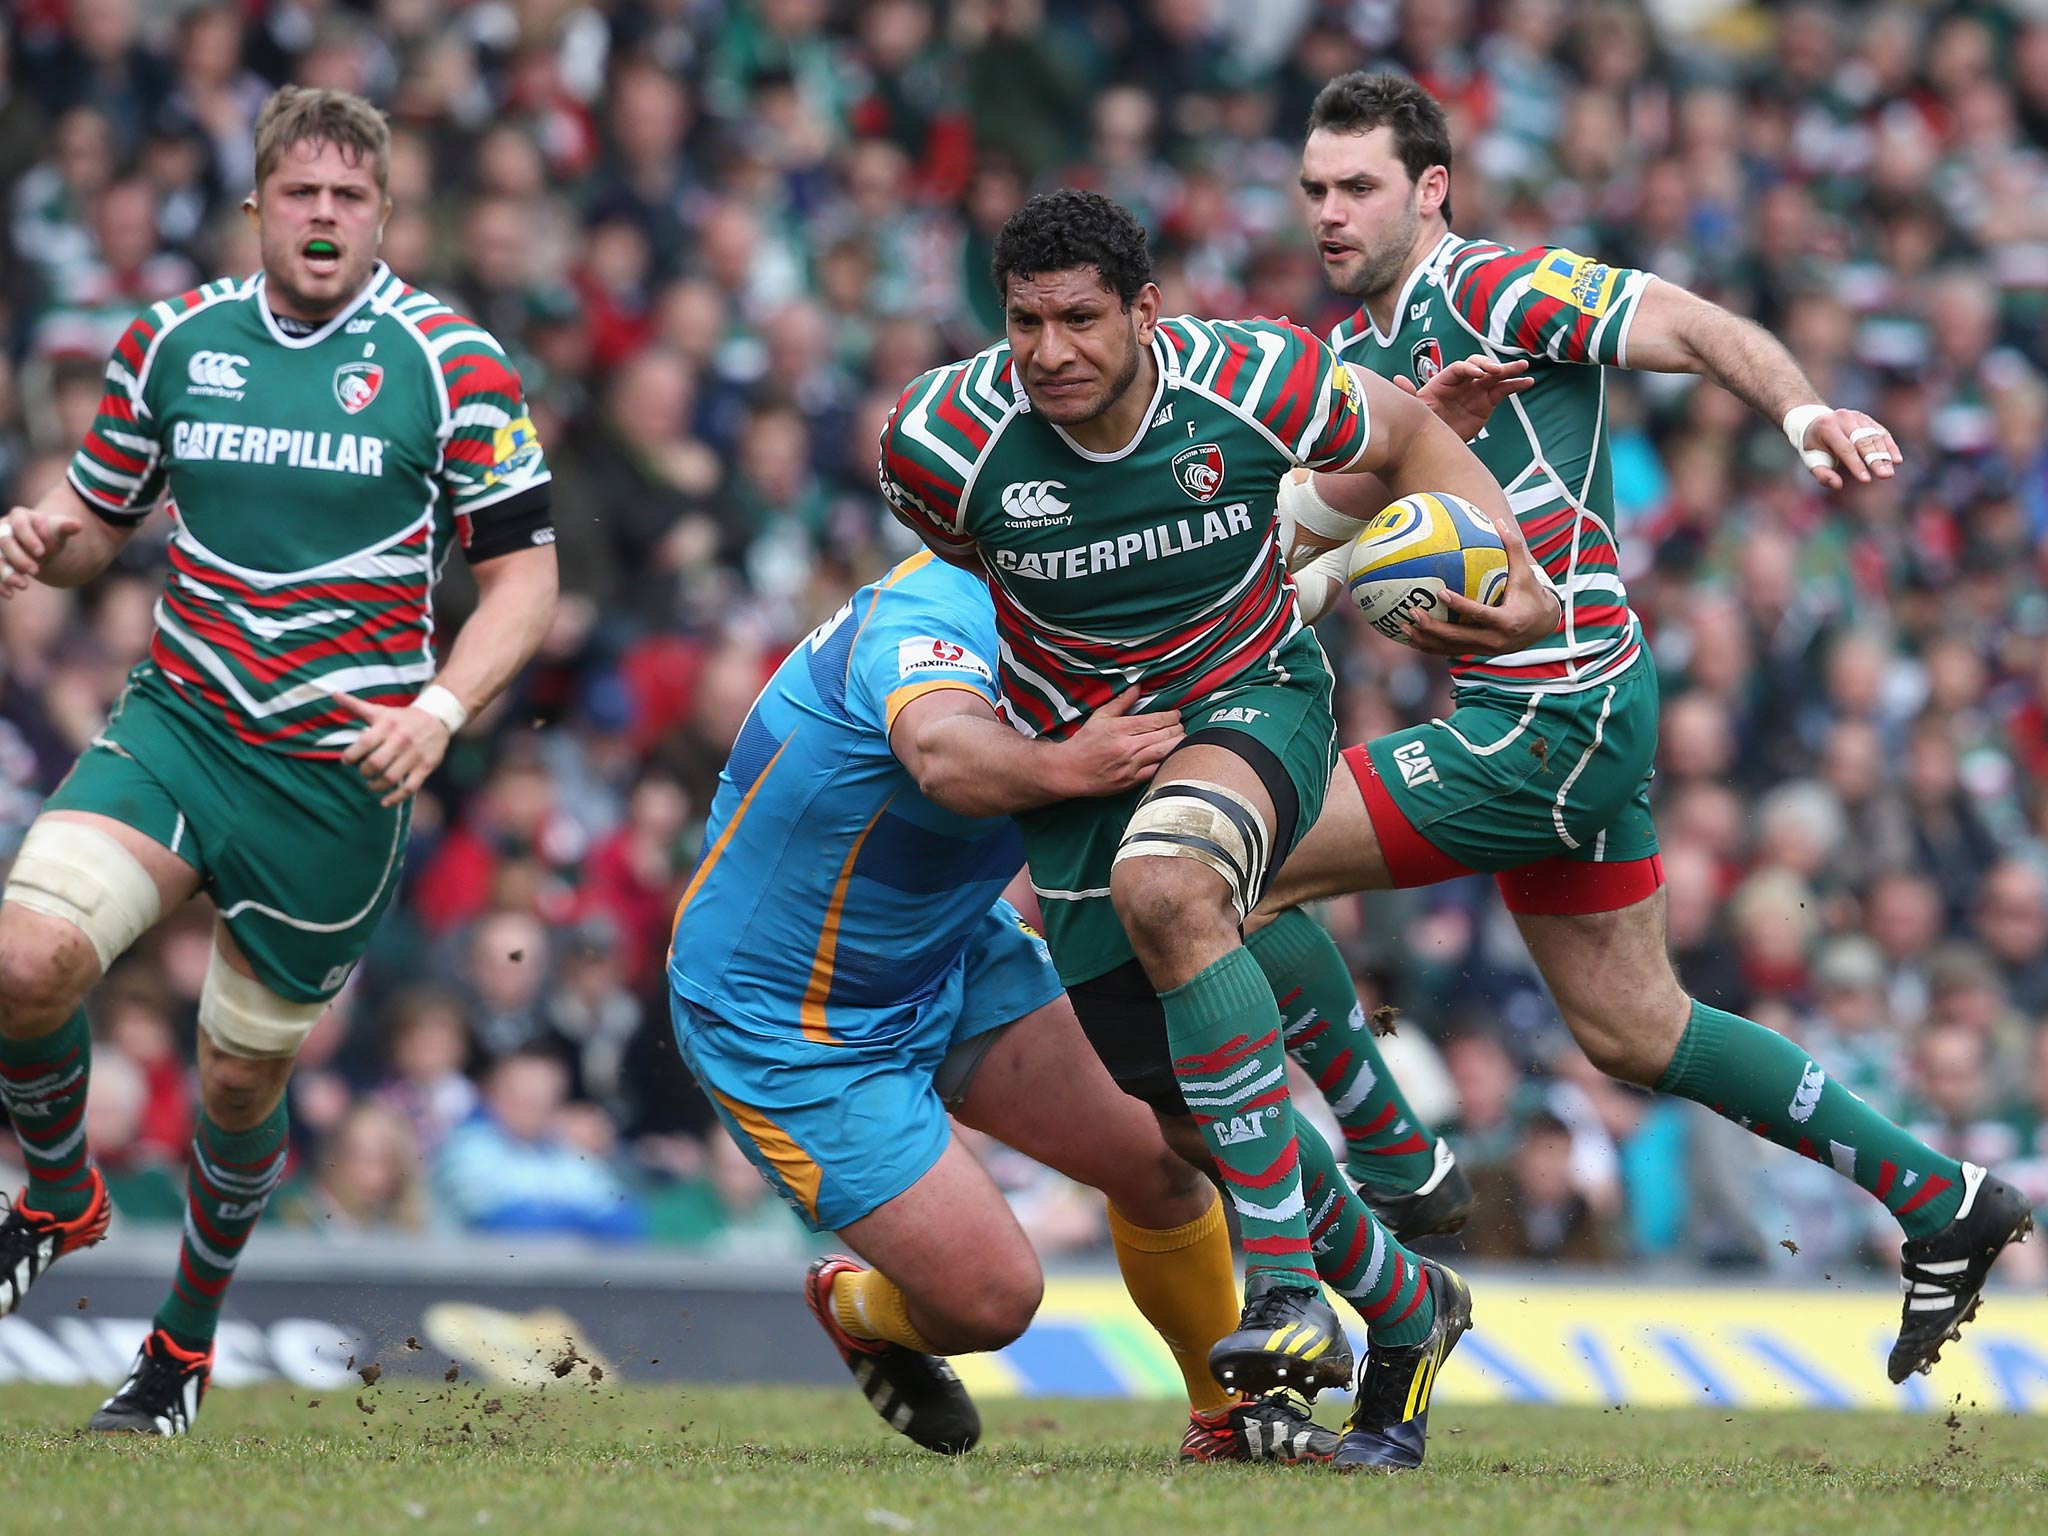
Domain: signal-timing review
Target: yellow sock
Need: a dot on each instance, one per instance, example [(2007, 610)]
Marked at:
[(869, 1305), (1183, 1282)]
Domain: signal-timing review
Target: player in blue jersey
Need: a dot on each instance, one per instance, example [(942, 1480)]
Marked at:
[(844, 972)]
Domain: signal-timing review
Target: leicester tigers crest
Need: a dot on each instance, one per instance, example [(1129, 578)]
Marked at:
[(356, 384), (1199, 470), (1426, 360)]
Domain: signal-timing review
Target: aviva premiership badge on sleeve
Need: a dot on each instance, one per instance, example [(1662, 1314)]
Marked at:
[(1580, 281)]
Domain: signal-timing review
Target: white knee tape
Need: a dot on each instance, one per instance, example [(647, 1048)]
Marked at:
[(245, 1018), (1209, 824), (83, 876)]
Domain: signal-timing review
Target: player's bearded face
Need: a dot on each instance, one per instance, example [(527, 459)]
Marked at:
[(319, 218), (1363, 209), (1077, 346)]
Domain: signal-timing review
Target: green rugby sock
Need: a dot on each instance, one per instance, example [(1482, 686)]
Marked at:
[(1224, 1033), (1759, 1079), (42, 1083), (232, 1175), (1362, 1261), (1386, 1144)]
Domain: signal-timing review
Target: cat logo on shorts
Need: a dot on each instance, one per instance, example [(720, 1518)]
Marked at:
[(356, 384), (1426, 360), (1199, 470), (1412, 758)]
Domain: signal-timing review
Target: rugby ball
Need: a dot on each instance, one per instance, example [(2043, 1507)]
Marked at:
[(1415, 550)]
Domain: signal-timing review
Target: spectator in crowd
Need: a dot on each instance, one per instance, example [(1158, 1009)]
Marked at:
[(367, 1177), (514, 1167), (426, 1084), (1532, 1209)]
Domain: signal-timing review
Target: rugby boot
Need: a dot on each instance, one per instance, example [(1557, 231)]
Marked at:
[(1276, 1427), (32, 1240), (1943, 1274), (916, 1394), (162, 1393), (1440, 1204), (1389, 1420), (1287, 1337)]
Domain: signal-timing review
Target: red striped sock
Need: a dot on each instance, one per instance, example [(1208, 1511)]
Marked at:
[(42, 1083), (1224, 1032), (229, 1183)]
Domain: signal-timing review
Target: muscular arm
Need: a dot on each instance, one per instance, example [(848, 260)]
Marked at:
[(399, 747), (516, 602), (968, 761), (60, 541), (1677, 331)]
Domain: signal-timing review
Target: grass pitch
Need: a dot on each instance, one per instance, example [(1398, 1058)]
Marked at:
[(402, 1457)]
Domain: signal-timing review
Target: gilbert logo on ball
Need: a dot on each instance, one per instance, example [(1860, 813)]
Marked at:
[(1417, 548)]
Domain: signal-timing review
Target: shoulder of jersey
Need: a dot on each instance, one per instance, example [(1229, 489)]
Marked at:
[(440, 328), (1230, 357), (930, 579), (166, 314), (944, 422), (1269, 372), (472, 364), (1459, 275)]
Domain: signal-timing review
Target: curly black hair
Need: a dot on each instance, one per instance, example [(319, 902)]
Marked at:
[(1058, 231)]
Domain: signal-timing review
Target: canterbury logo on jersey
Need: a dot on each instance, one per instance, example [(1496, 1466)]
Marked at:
[(218, 374), (347, 453), (1175, 538), (1034, 504)]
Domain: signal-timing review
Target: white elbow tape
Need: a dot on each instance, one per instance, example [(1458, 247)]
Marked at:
[(1318, 584), (443, 706), (1798, 422), (83, 876), (245, 1018), (1301, 507)]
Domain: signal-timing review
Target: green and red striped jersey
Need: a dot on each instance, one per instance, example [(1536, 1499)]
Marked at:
[(316, 484), (1546, 446), (1156, 564)]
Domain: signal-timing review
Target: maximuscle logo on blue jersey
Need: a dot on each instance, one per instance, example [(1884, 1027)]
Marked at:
[(1551, 1342)]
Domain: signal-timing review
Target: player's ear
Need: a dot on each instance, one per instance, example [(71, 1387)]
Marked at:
[(1432, 190), (384, 217), (1145, 311), (252, 211)]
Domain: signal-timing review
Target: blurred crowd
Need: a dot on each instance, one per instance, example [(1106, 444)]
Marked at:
[(718, 237)]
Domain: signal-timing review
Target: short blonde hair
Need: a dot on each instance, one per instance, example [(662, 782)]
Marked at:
[(296, 114)]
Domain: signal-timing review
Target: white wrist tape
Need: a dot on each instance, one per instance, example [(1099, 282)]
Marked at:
[(1301, 507), (443, 706), (1798, 422), (1318, 584)]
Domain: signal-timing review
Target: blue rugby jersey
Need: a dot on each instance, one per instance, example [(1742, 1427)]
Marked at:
[(833, 897)]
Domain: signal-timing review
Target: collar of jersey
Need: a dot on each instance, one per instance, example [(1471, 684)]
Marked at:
[(1427, 264), (379, 275), (1169, 368)]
